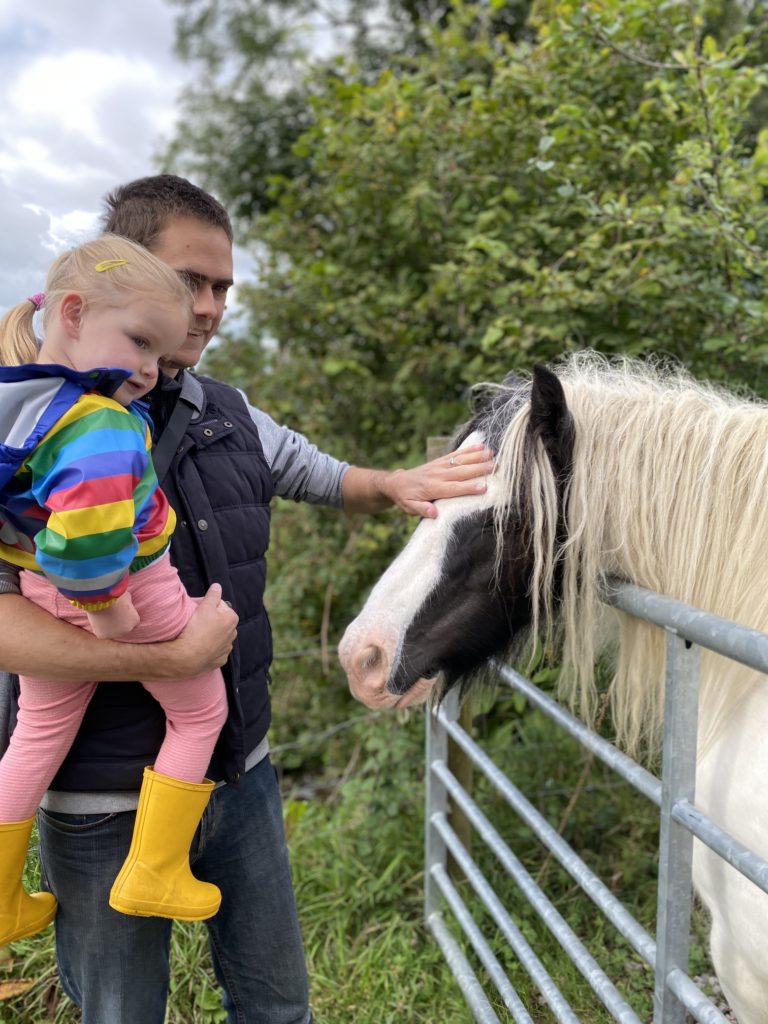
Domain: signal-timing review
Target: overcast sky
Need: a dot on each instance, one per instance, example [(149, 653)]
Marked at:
[(87, 93)]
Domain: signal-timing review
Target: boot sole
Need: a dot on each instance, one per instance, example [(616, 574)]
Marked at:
[(141, 909), (31, 928)]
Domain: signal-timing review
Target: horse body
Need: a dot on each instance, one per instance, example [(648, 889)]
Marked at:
[(608, 470), (730, 783)]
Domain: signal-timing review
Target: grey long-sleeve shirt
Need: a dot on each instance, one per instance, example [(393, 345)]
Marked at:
[(300, 471)]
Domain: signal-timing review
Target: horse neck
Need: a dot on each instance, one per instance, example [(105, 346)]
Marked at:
[(669, 491)]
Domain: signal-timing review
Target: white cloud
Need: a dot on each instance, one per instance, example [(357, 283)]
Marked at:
[(89, 97), (24, 248), (87, 93)]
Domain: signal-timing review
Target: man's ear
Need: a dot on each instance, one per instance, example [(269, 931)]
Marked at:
[(71, 309)]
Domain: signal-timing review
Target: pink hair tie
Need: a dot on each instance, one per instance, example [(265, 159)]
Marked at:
[(37, 300)]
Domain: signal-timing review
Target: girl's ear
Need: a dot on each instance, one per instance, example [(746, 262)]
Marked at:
[(71, 309)]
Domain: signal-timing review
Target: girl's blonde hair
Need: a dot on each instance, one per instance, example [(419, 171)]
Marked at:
[(109, 271)]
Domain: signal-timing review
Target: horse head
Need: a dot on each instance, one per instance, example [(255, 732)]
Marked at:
[(460, 591)]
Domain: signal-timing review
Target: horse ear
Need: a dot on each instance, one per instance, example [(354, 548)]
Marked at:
[(550, 418)]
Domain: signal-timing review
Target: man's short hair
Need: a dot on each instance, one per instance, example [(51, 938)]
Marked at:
[(142, 209)]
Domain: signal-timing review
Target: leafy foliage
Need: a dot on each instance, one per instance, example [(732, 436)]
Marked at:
[(252, 101), (598, 182), (501, 202)]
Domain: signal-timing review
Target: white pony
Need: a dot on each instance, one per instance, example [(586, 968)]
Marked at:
[(608, 469)]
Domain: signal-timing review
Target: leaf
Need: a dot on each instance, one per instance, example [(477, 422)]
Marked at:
[(519, 702), (10, 989), (545, 143), (492, 336), (716, 344), (546, 676)]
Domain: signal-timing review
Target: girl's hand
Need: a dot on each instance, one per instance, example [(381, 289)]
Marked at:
[(116, 621)]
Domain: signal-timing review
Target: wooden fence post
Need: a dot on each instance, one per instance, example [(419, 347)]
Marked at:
[(458, 763)]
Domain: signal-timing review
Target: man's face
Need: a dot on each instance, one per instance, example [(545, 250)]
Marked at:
[(203, 254)]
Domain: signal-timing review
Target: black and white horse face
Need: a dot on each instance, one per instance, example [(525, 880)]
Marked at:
[(438, 608), (444, 606), (468, 616)]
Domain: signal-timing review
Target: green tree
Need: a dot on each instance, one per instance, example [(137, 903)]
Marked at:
[(599, 182), (252, 99), (502, 201)]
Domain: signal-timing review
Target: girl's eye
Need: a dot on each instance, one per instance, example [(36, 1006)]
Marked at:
[(140, 342)]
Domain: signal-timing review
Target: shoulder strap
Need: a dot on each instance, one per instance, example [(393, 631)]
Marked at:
[(170, 438)]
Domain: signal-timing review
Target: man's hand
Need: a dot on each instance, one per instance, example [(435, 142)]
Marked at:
[(207, 639), (458, 473)]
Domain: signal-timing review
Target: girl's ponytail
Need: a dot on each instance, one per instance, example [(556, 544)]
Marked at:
[(18, 343)]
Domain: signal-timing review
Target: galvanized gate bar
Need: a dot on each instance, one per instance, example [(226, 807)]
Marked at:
[(690, 995), (486, 955), (723, 843), (681, 821), (630, 770), (702, 1009), (462, 972), (517, 941), (727, 846), (598, 892), (593, 973), (675, 894), (437, 801), (732, 640)]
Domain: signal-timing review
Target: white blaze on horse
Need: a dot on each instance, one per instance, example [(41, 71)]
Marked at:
[(607, 469)]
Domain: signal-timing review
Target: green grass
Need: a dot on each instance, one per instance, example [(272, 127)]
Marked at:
[(359, 881), (357, 851)]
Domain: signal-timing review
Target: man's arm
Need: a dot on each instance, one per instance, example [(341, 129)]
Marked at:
[(34, 643), (415, 490), (304, 473)]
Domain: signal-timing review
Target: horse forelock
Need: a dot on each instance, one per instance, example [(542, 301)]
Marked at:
[(496, 405), (669, 489)]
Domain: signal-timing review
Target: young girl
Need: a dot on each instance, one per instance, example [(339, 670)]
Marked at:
[(82, 514)]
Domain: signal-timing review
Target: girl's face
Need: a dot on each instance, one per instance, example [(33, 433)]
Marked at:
[(133, 337)]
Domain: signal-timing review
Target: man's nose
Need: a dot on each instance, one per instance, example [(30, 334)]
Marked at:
[(205, 302)]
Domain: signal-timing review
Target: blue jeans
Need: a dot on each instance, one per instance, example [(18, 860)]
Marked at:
[(115, 967)]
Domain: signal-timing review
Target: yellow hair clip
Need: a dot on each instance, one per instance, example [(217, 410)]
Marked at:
[(109, 265)]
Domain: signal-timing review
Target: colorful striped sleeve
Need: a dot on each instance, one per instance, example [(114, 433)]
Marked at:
[(93, 473)]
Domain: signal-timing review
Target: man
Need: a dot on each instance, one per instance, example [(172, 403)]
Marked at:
[(229, 460)]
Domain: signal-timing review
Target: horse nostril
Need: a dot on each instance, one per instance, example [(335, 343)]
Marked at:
[(370, 659)]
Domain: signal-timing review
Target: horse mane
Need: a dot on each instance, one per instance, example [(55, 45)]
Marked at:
[(669, 490)]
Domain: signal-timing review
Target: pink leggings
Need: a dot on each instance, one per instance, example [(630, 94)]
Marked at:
[(50, 712)]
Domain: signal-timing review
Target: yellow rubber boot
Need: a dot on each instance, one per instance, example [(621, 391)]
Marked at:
[(155, 880), (21, 913)]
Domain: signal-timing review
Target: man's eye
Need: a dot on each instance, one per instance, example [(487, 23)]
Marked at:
[(192, 282)]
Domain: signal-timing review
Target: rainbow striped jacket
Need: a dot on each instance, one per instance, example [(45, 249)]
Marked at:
[(79, 499)]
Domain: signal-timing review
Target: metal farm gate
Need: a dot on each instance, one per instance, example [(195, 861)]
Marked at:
[(675, 993)]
